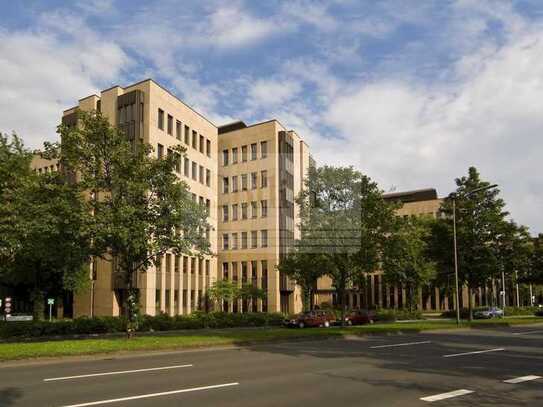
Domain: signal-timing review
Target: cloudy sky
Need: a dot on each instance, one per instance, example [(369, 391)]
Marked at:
[(412, 92)]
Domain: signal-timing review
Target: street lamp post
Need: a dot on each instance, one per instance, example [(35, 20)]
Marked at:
[(457, 288)]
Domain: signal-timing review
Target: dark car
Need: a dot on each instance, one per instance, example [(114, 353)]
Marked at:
[(359, 317), (312, 319), (488, 312), (539, 312)]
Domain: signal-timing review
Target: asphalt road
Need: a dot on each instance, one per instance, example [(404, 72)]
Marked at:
[(396, 370)]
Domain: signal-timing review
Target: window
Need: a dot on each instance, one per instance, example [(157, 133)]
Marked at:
[(234, 241), (177, 163), (187, 135), (201, 144), (244, 153), (263, 179), (243, 240), (208, 177), (225, 241), (168, 263), (263, 149), (235, 212), (244, 182), (244, 272), (253, 151), (254, 239), (193, 197), (225, 213), (160, 150), (170, 124), (194, 171), (234, 155), (244, 210), (161, 119), (207, 267), (194, 139), (177, 263), (264, 238), (186, 167), (185, 264), (208, 148), (224, 158), (201, 201), (264, 268), (254, 210), (178, 129), (208, 205), (192, 265), (201, 177), (264, 208), (225, 271), (253, 180), (225, 185), (235, 183)]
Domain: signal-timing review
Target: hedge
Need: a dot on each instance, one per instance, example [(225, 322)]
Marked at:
[(163, 322)]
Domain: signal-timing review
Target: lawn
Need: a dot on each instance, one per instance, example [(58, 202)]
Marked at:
[(209, 338)]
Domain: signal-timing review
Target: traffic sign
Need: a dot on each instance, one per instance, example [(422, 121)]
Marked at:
[(50, 301)]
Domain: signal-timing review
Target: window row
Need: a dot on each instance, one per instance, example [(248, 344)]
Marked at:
[(230, 271), (230, 240), (184, 133), (231, 156), (48, 169), (241, 211), (176, 263), (234, 185), (198, 173)]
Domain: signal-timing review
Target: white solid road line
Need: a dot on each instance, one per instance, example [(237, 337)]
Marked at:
[(522, 379), (527, 332), (448, 395), (144, 396), (53, 379), (474, 353), (399, 344)]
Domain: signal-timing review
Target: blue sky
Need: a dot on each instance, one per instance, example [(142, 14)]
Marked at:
[(410, 92)]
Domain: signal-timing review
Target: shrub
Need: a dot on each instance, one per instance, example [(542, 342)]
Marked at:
[(386, 315)]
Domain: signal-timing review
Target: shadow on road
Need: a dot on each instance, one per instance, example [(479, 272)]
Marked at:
[(9, 396)]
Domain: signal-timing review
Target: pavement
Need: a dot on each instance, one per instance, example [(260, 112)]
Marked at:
[(478, 367)]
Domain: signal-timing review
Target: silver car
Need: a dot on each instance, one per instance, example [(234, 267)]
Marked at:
[(488, 312)]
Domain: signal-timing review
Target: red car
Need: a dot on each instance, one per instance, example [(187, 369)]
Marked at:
[(312, 318), (359, 317)]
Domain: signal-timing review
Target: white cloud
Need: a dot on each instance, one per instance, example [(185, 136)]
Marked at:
[(412, 136), (42, 75), (267, 93)]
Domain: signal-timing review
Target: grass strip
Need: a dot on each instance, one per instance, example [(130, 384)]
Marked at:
[(209, 338)]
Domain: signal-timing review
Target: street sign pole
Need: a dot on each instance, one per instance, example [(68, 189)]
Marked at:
[(50, 302)]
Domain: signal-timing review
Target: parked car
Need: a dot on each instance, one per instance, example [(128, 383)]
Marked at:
[(311, 319), (539, 312), (360, 317), (488, 312)]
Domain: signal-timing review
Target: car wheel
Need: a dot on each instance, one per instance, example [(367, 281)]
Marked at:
[(301, 325), (326, 324), (349, 322)]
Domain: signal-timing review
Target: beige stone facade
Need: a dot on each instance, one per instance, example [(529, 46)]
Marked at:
[(149, 113)]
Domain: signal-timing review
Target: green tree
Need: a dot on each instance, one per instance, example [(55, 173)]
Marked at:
[(408, 260), (479, 217), (304, 269), (534, 273), (344, 219), (250, 292), (46, 244), (140, 208), (221, 291)]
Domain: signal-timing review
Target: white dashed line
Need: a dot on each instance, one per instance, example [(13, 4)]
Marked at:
[(399, 344), (474, 353), (144, 396), (448, 395), (53, 379), (527, 332), (522, 379)]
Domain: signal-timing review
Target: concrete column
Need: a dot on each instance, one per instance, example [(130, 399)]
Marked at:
[(180, 286), (380, 288), (189, 286), (162, 286), (197, 272), (258, 284), (396, 296)]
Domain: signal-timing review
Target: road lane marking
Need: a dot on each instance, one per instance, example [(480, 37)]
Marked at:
[(522, 379), (527, 332), (448, 395), (144, 396), (399, 344), (53, 379), (474, 352)]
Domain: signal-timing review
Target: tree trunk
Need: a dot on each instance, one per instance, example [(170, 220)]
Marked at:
[(38, 304), (470, 302)]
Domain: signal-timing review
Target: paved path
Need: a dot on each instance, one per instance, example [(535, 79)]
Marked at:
[(485, 367)]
